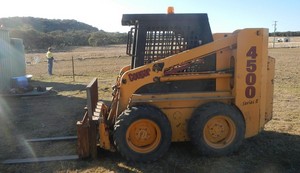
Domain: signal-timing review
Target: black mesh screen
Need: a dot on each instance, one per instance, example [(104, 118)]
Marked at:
[(161, 44)]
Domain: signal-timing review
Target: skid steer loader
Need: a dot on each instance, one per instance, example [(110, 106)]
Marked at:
[(183, 84)]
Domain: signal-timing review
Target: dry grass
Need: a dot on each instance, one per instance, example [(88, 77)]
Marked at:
[(277, 149), (287, 92)]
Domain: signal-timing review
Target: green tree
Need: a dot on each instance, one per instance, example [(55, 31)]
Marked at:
[(40, 33)]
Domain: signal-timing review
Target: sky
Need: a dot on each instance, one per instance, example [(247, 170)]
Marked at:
[(224, 16)]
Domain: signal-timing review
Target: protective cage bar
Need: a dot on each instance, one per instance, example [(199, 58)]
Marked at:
[(130, 42)]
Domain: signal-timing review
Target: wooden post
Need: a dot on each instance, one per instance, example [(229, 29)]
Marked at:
[(92, 99), (73, 71)]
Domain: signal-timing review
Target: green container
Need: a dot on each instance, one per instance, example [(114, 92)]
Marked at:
[(5, 60), (18, 57), (12, 59)]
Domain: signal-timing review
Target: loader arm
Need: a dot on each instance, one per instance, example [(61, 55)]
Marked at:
[(135, 78)]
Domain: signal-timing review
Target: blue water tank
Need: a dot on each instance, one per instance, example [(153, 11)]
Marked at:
[(19, 82)]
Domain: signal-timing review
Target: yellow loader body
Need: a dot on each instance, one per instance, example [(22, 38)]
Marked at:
[(243, 81)]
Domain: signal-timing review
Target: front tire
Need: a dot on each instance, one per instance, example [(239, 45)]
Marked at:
[(216, 129), (142, 134)]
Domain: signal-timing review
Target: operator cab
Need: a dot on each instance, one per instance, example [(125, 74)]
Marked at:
[(157, 36)]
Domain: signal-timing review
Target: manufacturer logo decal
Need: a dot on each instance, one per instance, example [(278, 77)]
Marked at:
[(139, 75)]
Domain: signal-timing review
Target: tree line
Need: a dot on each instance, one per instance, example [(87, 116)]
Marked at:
[(39, 33), (33, 39), (286, 34)]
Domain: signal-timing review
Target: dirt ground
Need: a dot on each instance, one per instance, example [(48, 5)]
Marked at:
[(276, 149)]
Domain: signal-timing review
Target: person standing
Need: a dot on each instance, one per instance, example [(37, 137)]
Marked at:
[(50, 59)]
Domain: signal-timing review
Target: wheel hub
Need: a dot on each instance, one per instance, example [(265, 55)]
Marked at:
[(143, 135), (219, 131)]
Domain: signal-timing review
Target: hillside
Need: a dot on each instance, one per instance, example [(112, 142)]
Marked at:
[(44, 25), (39, 33)]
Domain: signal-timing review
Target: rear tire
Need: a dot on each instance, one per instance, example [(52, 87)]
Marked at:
[(216, 129), (142, 134)]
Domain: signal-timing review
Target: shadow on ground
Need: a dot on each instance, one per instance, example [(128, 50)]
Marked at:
[(47, 115), (56, 115), (267, 152)]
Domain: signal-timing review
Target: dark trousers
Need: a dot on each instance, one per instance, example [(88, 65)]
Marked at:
[(50, 66)]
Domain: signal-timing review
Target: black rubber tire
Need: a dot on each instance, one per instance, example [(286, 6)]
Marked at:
[(205, 114), (143, 113)]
